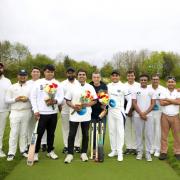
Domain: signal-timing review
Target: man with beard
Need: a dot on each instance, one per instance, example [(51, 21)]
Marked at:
[(5, 83), (65, 109)]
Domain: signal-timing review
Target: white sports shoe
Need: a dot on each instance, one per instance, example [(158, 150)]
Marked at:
[(10, 157), (2, 154), (120, 157), (84, 157), (148, 157), (113, 153), (36, 158), (139, 156), (52, 155), (68, 158), (24, 154), (157, 154)]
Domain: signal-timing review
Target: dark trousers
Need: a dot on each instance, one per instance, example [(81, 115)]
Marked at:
[(46, 122), (73, 126)]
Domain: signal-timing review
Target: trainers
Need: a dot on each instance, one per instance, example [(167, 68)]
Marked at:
[(52, 155), (157, 154), (120, 157), (36, 158), (163, 156), (112, 154), (148, 157), (84, 157), (44, 147), (68, 158), (177, 156), (65, 150), (127, 151), (25, 154), (10, 157), (2, 154), (77, 149), (139, 156)]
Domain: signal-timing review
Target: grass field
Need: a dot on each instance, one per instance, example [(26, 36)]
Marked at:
[(129, 169)]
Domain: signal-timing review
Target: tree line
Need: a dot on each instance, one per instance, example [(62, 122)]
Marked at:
[(16, 56)]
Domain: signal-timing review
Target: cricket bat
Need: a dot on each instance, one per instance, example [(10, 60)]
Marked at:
[(100, 143), (97, 132), (92, 140), (31, 152)]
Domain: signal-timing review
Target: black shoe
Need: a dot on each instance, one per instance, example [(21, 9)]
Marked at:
[(65, 150), (77, 149), (177, 156), (133, 151), (163, 156), (44, 147), (127, 151)]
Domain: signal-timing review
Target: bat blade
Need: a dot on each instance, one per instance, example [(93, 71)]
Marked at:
[(101, 144)]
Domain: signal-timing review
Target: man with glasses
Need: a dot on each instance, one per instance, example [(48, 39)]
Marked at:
[(170, 102), (156, 115), (80, 112), (143, 103)]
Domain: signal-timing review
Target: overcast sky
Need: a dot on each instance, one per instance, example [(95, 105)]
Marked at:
[(91, 30)]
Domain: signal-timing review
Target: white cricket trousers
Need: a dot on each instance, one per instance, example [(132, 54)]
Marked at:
[(31, 127), (19, 121), (156, 144), (130, 134), (3, 119), (144, 131), (65, 131), (116, 131)]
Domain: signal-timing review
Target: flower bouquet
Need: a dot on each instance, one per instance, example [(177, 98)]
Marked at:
[(51, 90), (86, 97)]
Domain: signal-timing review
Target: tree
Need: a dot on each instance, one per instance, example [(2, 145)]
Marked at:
[(106, 69)]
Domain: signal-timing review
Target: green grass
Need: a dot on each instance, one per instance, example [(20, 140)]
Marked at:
[(129, 169)]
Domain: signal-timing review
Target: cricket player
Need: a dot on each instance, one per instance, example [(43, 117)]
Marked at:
[(117, 114), (35, 74), (5, 83), (18, 97), (80, 112), (65, 111), (170, 102), (45, 98), (156, 115), (130, 135), (143, 102)]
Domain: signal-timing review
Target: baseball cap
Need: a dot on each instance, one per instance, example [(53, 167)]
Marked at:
[(115, 72), (22, 72), (70, 69)]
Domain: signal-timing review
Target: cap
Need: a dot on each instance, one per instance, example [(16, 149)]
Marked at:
[(70, 69), (22, 72), (115, 72), (171, 78)]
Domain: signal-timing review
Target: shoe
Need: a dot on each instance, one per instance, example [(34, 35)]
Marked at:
[(10, 157), (133, 151), (2, 154), (148, 157), (139, 156), (25, 154), (44, 147), (68, 158), (163, 156), (177, 156), (65, 150), (127, 151), (52, 155), (120, 157), (77, 149), (84, 157), (112, 154), (36, 158), (157, 154)]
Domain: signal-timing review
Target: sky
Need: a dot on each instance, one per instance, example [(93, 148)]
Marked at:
[(91, 30)]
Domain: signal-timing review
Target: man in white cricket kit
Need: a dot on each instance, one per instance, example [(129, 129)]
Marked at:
[(45, 98), (80, 112), (117, 114), (5, 83), (130, 135), (65, 111), (35, 74), (156, 115), (18, 98), (143, 102)]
